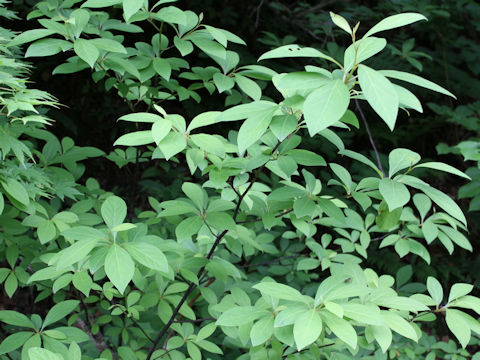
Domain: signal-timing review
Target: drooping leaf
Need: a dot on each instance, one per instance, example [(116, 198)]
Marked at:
[(325, 106), (380, 94)]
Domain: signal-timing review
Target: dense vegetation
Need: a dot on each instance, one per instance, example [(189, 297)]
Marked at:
[(276, 190)]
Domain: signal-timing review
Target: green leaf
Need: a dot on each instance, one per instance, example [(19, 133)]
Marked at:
[(281, 291), (386, 220), (15, 318), (83, 282), (244, 111), (423, 204), (307, 328), (209, 143), (288, 51), (399, 325), (172, 144), (162, 67), (416, 80), (458, 326), (407, 99), (130, 7), (100, 3), (172, 14), (342, 24), (367, 314), (383, 336), (109, 45), (394, 193), (252, 129), (365, 48), (443, 167), (306, 157), (435, 289), (87, 51), (114, 211), (147, 255), (325, 106), (43, 354), (119, 267), (300, 80), (195, 193), (341, 328), (59, 312), (400, 159), (75, 253), (262, 330), (457, 237), (47, 47), (160, 129), (16, 190), (223, 82), (395, 21), (380, 94), (304, 206), (29, 36), (203, 119), (136, 138), (249, 87), (443, 201), (220, 220), (239, 315), (359, 157), (14, 341), (458, 290), (283, 125)]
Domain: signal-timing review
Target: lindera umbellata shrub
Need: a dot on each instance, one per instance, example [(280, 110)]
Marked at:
[(263, 258)]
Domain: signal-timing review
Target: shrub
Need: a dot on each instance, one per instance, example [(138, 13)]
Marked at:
[(263, 256)]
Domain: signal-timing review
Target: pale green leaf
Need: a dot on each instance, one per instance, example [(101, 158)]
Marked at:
[(395, 21), (380, 94), (325, 106), (119, 267)]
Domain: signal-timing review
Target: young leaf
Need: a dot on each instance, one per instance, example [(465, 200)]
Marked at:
[(362, 50), (341, 22), (262, 330), (15, 318), (380, 94), (239, 315), (114, 211)]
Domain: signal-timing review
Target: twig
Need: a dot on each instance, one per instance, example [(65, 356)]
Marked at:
[(257, 18), (364, 119)]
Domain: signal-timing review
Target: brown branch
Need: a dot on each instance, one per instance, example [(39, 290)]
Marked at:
[(370, 137)]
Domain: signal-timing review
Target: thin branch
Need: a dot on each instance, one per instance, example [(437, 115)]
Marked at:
[(364, 119), (195, 321), (189, 290), (258, 220)]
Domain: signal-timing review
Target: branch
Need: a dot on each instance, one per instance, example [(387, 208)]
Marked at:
[(364, 119)]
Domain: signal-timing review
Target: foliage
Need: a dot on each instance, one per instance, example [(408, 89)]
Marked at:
[(263, 254)]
